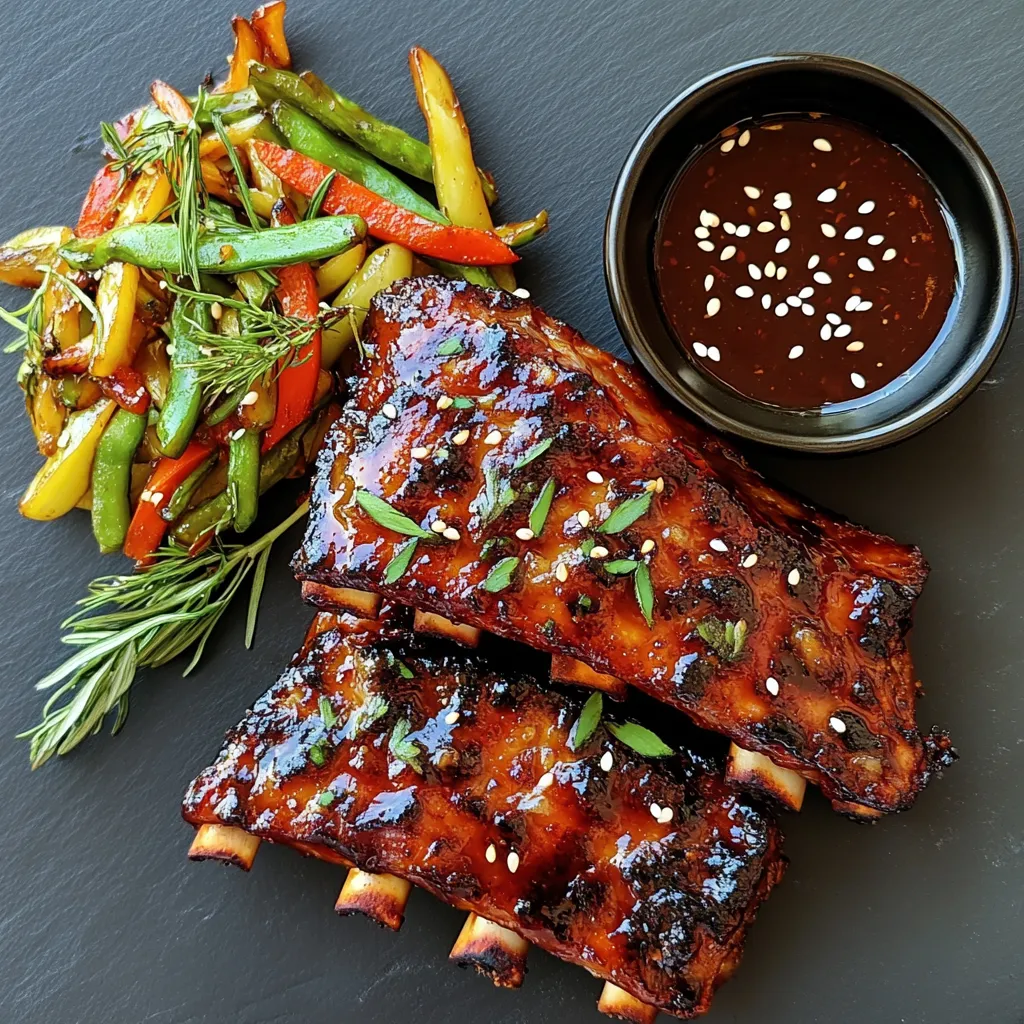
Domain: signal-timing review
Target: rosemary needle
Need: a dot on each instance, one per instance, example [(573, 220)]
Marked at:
[(152, 616)]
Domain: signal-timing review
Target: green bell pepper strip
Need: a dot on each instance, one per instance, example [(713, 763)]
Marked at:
[(255, 288), (155, 246), (232, 106), (184, 491), (112, 478), (387, 143), (244, 477), (274, 467), (184, 399)]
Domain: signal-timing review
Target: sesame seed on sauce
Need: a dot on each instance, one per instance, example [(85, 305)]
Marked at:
[(491, 854), (594, 477), (837, 724), (819, 190), (607, 761), (717, 544), (450, 533), (771, 684), (451, 718), (438, 526), (389, 411), (750, 561), (647, 547), (547, 779), (445, 402), (493, 438), (419, 452), (561, 572), (598, 551), (513, 862), (583, 517), (793, 578), (460, 438), (524, 533)]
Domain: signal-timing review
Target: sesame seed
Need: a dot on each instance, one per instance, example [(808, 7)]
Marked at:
[(144, 496), (823, 145), (655, 810), (828, 230), (713, 354), (491, 854), (545, 780), (862, 307), (838, 724), (583, 517), (745, 291), (793, 578), (451, 718), (163, 284), (700, 348), (752, 191), (807, 309), (729, 228), (598, 551), (833, 318), (857, 380), (782, 245), (854, 233), (742, 230), (843, 330), (238, 434), (765, 226), (866, 207), (796, 352), (445, 402), (783, 201), (727, 253), (521, 293), (647, 547), (766, 301), (451, 533), (524, 533), (781, 309), (865, 264), (827, 196), (726, 146), (705, 245), (754, 271), (750, 561), (805, 292), (716, 544), (702, 232), (659, 485), (782, 271), (439, 526), (714, 305), (876, 239), (216, 310), (784, 221), (461, 438), (419, 452), (852, 303), (157, 496), (744, 137), (794, 301), (607, 761), (822, 278), (709, 282), (826, 332), (561, 572), (389, 411), (889, 254), (769, 269), (666, 816), (813, 261), (594, 477), (771, 684), (708, 219), (251, 398), (855, 346), (493, 437), (170, 348)]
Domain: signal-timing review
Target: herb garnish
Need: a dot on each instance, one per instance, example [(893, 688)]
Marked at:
[(500, 575), (620, 566), (400, 561), (644, 592), (399, 666), (627, 513), (498, 495), (318, 752), (390, 518), (326, 711), (462, 403), (451, 347), (317, 200), (325, 799), (542, 506), (373, 708), (405, 749), (588, 721), (642, 740), (727, 638), (533, 453)]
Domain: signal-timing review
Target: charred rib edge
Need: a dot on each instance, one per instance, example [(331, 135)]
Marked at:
[(748, 768), (438, 625), (494, 951)]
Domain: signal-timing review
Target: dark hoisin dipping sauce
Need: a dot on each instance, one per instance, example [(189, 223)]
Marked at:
[(803, 261)]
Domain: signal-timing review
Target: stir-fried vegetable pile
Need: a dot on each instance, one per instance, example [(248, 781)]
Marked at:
[(179, 343)]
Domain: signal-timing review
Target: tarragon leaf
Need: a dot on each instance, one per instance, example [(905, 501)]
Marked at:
[(451, 347), (500, 575), (326, 712), (620, 566), (399, 563), (533, 453), (588, 721), (542, 506), (727, 639), (626, 513), (644, 591), (642, 740), (405, 749), (390, 518)]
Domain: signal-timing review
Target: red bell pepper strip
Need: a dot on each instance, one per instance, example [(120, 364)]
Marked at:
[(99, 211), (147, 528), (384, 219), (126, 387), (296, 384)]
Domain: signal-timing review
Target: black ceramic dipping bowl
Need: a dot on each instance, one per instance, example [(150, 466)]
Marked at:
[(979, 221)]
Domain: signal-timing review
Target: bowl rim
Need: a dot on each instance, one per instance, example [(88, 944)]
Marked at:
[(937, 404)]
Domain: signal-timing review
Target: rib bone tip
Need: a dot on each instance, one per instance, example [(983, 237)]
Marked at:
[(438, 625), (225, 843), (754, 770), (495, 951), (382, 898), (617, 1002)]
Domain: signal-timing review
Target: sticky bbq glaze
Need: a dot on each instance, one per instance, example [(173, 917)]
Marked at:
[(804, 261), (411, 757), (661, 558)]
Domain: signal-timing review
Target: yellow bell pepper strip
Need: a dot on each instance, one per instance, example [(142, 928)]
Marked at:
[(247, 48), (64, 477), (147, 528), (115, 300), (244, 477), (36, 247), (147, 199), (383, 267), (383, 219), (112, 478), (268, 24), (154, 367), (180, 411), (459, 192), (46, 412), (335, 273), (155, 246)]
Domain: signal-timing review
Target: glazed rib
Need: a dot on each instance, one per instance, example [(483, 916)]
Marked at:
[(770, 621), (458, 777)]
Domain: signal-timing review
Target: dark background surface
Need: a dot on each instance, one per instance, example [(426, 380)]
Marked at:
[(101, 916)]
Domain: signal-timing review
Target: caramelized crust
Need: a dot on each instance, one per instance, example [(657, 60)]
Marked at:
[(460, 779), (750, 591)]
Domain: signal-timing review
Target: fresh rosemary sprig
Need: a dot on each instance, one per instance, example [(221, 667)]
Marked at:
[(143, 620), (28, 320)]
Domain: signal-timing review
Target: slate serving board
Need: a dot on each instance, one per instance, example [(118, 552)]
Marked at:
[(103, 919)]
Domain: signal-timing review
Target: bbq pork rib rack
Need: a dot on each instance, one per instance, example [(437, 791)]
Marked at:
[(380, 749), (494, 469)]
